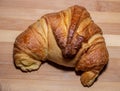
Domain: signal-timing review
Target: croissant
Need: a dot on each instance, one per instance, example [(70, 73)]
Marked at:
[(69, 38)]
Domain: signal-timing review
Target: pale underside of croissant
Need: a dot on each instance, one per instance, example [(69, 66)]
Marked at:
[(69, 38)]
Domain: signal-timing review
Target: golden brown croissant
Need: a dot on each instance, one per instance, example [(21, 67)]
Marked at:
[(69, 38)]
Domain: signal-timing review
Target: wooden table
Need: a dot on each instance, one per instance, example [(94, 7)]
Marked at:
[(17, 15)]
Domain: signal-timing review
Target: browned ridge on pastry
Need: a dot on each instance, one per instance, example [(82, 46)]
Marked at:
[(72, 41), (69, 38)]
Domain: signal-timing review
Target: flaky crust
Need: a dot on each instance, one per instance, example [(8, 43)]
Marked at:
[(69, 38)]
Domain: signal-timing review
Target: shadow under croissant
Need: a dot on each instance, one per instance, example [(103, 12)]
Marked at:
[(79, 73), (64, 68), (57, 66)]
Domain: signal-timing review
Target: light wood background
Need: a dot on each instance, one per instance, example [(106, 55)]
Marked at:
[(17, 15)]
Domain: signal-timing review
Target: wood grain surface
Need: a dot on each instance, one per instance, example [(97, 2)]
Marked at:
[(17, 15)]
